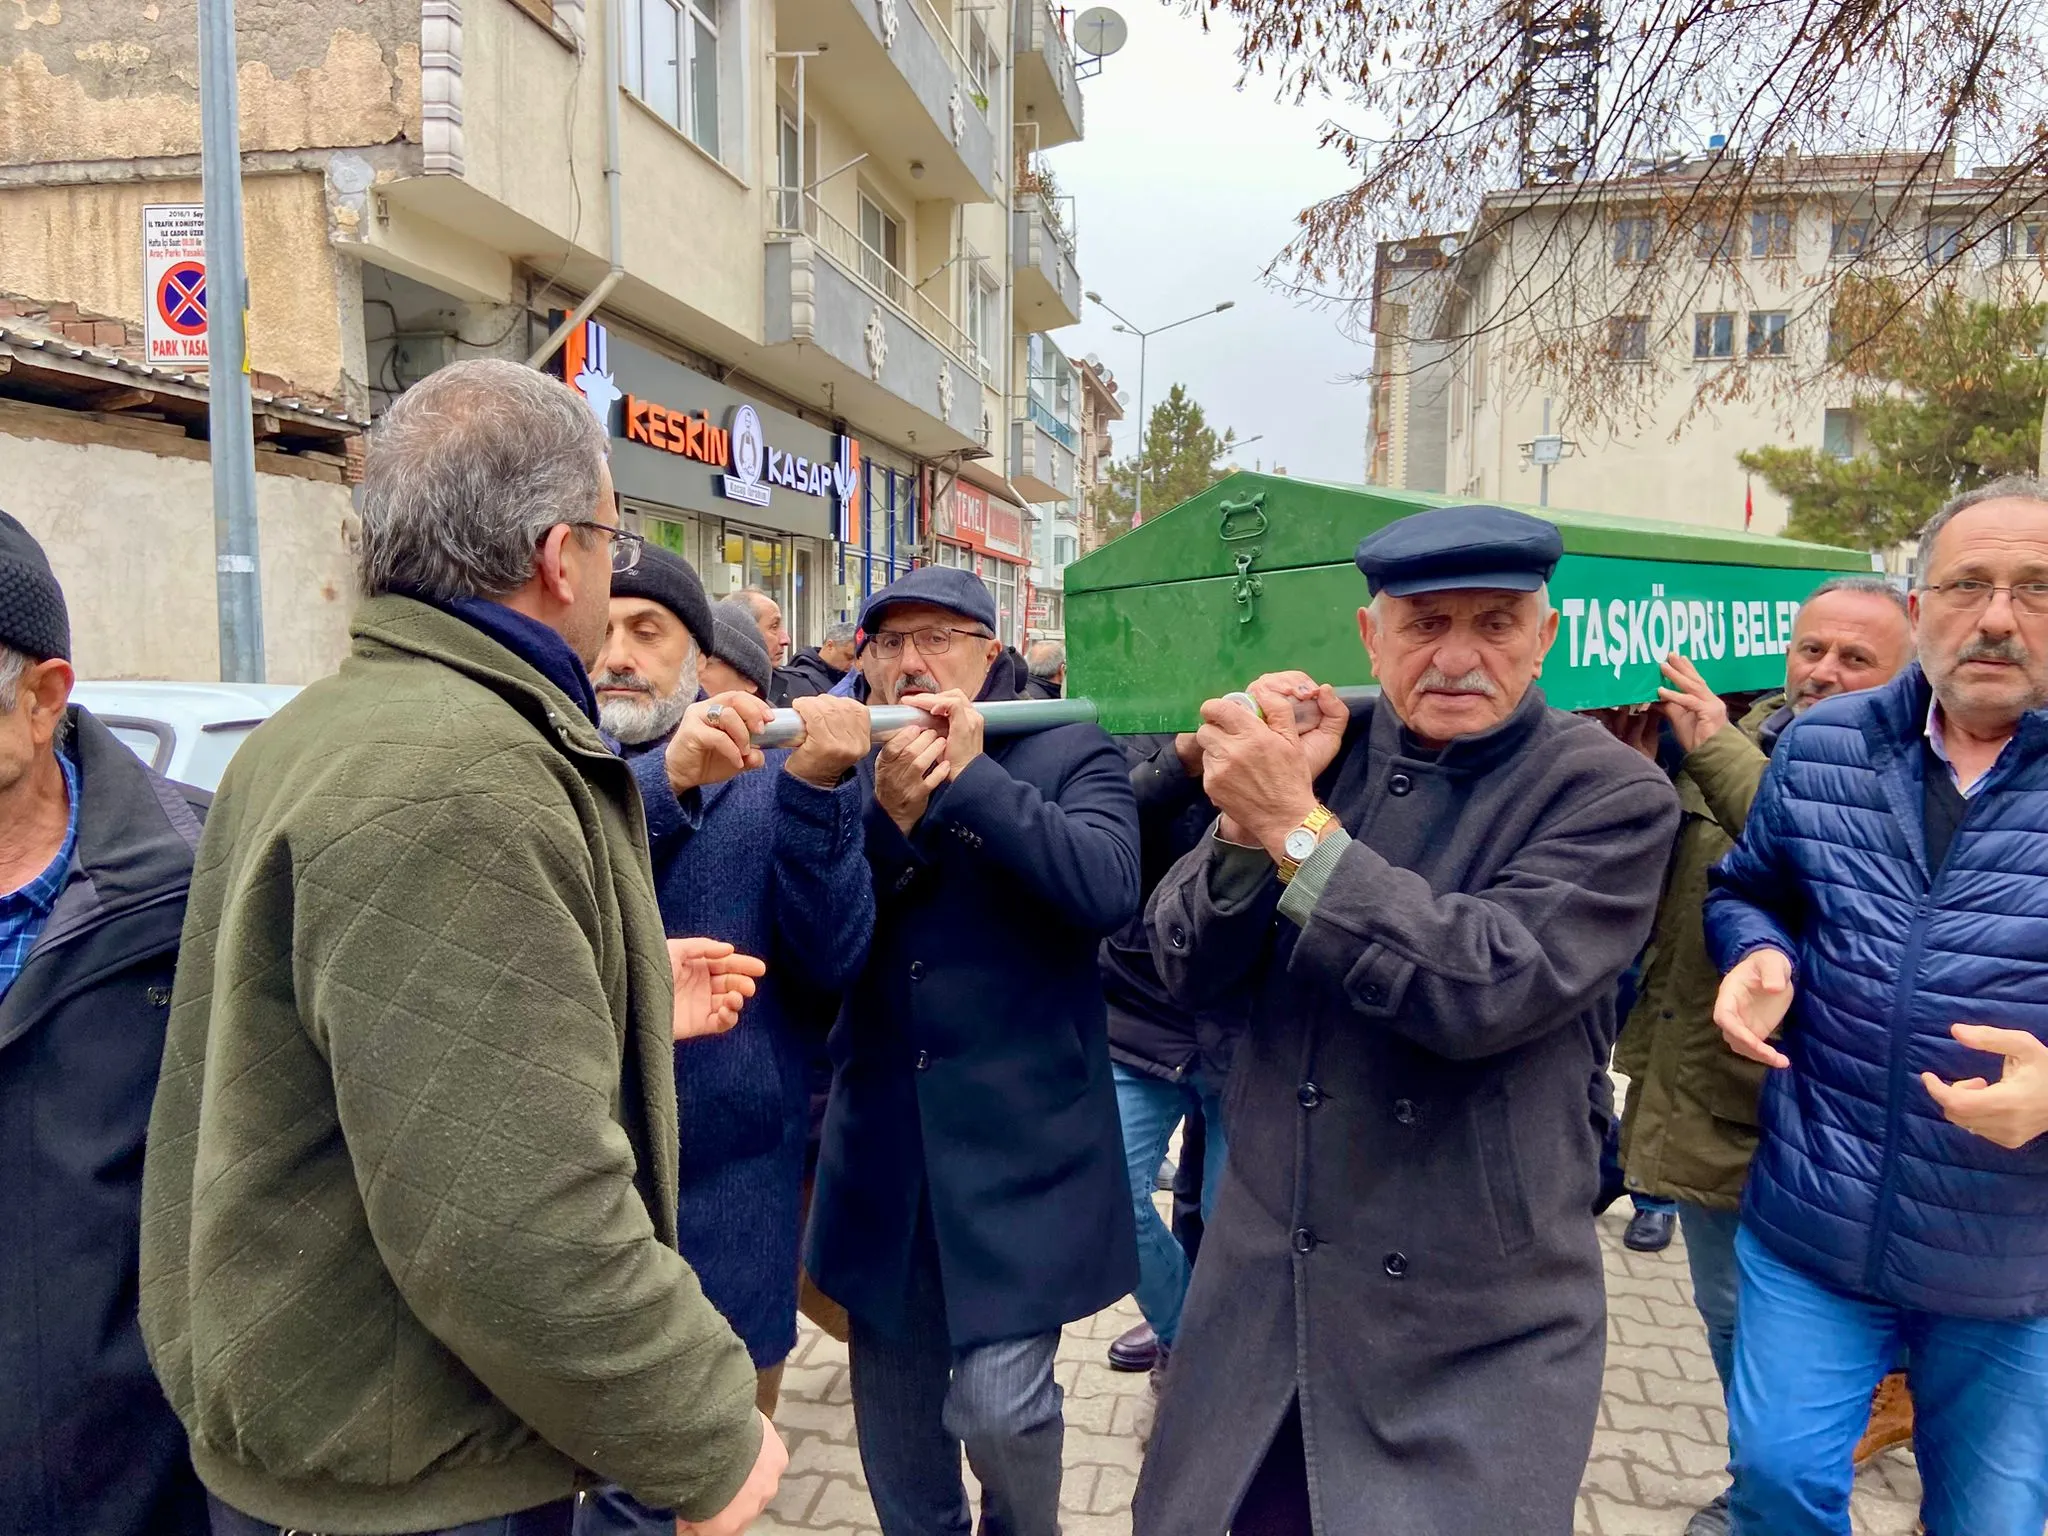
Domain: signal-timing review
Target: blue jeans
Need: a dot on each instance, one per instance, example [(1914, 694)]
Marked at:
[(1807, 1358), (917, 1400), (1151, 1108), (1710, 1254)]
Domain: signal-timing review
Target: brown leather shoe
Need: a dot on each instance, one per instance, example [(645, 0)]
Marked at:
[(1891, 1420), (1136, 1349)]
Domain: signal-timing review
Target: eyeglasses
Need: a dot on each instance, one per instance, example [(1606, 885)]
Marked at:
[(930, 642), (1970, 594), (625, 544)]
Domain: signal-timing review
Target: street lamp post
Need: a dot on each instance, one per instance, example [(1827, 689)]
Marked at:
[(1138, 504)]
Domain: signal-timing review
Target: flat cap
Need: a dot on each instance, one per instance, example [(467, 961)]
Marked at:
[(1454, 549), (935, 586), (739, 647), (666, 578)]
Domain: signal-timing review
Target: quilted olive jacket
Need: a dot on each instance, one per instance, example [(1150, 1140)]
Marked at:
[(408, 1209)]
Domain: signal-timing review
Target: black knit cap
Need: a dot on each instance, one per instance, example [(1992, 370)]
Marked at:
[(665, 578), (33, 619), (739, 647)]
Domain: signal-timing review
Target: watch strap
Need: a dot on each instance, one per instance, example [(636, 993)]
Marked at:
[(1312, 823)]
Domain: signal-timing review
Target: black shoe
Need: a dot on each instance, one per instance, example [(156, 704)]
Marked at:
[(1650, 1231), (1137, 1349), (1713, 1520), (1163, 1179)]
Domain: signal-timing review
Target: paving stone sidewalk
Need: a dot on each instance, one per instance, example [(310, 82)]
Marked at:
[(1657, 1454)]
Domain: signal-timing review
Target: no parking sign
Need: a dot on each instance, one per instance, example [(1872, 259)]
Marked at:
[(174, 275)]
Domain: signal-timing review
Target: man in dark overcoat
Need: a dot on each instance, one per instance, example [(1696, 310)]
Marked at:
[(970, 1197), (1398, 1324)]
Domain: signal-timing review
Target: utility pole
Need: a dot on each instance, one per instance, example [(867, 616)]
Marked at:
[(238, 581)]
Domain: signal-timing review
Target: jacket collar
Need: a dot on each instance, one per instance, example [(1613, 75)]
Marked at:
[(1901, 706), (434, 634)]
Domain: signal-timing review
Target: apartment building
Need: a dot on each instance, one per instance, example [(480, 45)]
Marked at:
[(1707, 299), (791, 252), (1102, 402)]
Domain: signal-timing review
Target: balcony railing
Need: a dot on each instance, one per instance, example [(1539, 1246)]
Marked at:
[(1057, 213), (1059, 53), (868, 267), (1054, 428)]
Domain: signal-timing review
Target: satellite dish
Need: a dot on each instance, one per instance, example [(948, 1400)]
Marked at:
[(1398, 254), (1449, 246), (1101, 31)]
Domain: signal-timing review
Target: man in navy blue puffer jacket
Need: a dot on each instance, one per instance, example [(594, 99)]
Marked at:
[(1888, 903)]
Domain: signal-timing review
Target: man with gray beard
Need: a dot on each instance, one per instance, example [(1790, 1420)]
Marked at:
[(763, 850)]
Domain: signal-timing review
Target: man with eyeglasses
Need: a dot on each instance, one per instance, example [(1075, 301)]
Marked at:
[(1885, 915), (971, 1196), (408, 1257)]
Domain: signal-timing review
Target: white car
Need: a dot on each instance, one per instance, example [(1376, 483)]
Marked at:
[(185, 731)]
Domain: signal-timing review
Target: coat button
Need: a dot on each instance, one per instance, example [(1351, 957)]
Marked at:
[(917, 970), (903, 880), (1397, 1265), (924, 1061), (1373, 994), (1304, 1240), (1309, 1095), (1404, 1111), (1400, 784), (1177, 936)]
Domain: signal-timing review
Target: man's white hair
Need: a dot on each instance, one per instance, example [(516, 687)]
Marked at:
[(13, 665), (1543, 608)]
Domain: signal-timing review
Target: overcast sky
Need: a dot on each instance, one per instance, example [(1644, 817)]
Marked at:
[(1185, 188)]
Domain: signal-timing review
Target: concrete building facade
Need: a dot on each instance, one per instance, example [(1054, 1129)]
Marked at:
[(1709, 311), (830, 218)]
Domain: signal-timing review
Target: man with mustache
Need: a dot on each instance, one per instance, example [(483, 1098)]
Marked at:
[(1690, 1125), (971, 1197), (1887, 909), (763, 851), (1398, 1323)]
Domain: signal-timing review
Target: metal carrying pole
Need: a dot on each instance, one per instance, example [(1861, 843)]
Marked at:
[(238, 581), (1010, 717)]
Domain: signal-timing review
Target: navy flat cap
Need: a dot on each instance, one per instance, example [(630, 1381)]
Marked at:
[(935, 586), (1454, 549)]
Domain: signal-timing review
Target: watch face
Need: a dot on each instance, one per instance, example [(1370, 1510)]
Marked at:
[(1300, 844)]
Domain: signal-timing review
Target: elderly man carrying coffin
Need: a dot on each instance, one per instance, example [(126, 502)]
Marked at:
[(1398, 1321)]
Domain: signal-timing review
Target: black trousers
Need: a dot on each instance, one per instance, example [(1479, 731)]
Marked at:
[(545, 1520), (1276, 1504)]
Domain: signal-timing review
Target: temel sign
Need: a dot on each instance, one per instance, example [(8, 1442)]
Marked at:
[(680, 439)]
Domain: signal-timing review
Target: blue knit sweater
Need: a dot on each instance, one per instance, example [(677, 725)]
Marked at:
[(777, 868)]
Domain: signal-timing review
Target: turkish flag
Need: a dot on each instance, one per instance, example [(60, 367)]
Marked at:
[(1748, 505)]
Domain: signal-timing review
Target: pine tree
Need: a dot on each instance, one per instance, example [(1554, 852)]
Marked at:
[(1179, 461), (1950, 394)]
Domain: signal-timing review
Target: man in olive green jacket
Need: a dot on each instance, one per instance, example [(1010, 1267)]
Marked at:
[(408, 1249), (1690, 1127)]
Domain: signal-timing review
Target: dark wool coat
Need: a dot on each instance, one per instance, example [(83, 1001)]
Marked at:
[(971, 1061), (1404, 1241), (775, 867), (1860, 1180), (88, 1444)]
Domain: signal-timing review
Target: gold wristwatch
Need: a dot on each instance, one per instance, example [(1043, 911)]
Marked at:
[(1301, 842)]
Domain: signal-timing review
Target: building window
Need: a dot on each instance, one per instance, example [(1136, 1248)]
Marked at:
[(1628, 338), (1714, 238), (671, 64), (1633, 238), (1770, 232), (984, 316), (881, 238), (1944, 242), (1713, 335), (1837, 431), (1767, 332), (984, 65), (2026, 240), (1851, 238)]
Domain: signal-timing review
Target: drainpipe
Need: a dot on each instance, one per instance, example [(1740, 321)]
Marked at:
[(615, 221)]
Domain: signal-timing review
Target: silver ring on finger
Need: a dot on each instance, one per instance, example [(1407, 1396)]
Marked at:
[(714, 714)]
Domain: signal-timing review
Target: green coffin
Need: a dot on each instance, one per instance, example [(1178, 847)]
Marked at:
[(1255, 575)]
